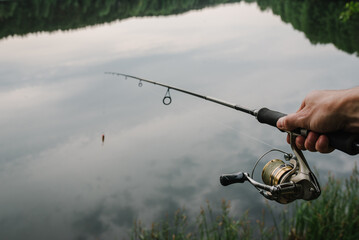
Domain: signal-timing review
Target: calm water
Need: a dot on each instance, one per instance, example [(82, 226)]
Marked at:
[(57, 179)]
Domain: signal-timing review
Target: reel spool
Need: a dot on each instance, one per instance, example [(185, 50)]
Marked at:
[(274, 172), (284, 182)]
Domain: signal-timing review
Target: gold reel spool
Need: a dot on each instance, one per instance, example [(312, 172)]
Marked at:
[(274, 171)]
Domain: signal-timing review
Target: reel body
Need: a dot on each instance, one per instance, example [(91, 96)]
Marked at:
[(284, 182)]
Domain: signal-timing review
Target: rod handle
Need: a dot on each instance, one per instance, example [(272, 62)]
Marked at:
[(270, 117), (343, 141)]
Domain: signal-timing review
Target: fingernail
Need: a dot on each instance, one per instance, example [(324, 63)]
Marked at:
[(280, 123)]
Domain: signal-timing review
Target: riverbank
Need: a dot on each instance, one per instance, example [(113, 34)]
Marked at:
[(334, 215)]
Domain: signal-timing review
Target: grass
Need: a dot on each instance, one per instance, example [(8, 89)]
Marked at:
[(334, 215), (207, 226)]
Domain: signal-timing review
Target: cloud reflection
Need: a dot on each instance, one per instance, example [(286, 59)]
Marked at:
[(56, 103)]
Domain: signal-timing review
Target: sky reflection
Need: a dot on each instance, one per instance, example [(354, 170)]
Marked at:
[(57, 179)]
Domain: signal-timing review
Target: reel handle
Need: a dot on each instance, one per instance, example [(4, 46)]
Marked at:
[(227, 179), (343, 141)]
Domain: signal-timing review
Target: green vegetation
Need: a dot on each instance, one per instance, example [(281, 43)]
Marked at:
[(351, 11), (23, 17), (334, 215), (322, 21)]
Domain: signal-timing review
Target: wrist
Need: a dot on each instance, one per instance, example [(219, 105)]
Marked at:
[(349, 108)]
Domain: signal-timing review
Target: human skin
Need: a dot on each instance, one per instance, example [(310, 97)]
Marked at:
[(323, 111)]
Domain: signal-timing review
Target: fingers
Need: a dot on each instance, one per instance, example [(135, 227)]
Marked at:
[(310, 141), (299, 141), (322, 145), (314, 142)]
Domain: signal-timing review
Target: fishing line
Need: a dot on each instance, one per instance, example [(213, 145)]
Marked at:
[(230, 127), (104, 113)]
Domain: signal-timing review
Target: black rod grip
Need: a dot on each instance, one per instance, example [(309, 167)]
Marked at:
[(269, 117), (343, 141)]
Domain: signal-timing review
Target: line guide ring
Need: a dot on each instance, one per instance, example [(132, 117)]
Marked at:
[(167, 100)]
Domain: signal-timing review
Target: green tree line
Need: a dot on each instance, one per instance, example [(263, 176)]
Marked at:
[(23, 17), (319, 20)]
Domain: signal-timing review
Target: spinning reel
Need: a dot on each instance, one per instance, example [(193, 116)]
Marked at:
[(284, 182)]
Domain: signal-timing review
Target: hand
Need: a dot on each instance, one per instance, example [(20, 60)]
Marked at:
[(323, 112)]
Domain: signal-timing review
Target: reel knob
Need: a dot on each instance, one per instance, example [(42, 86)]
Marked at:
[(227, 179)]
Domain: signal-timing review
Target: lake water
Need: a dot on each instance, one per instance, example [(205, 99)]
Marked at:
[(59, 181)]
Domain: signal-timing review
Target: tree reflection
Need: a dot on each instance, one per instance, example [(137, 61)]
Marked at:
[(319, 20)]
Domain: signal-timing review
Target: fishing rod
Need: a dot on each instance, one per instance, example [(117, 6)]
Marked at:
[(283, 182), (343, 141), (263, 115)]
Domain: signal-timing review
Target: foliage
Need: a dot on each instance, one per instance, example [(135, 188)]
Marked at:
[(322, 21), (351, 9), (319, 20), (23, 17), (334, 215), (208, 226)]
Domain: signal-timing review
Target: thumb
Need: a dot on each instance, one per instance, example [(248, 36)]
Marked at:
[(287, 123)]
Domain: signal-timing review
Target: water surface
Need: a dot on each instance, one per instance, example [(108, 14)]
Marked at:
[(59, 181)]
